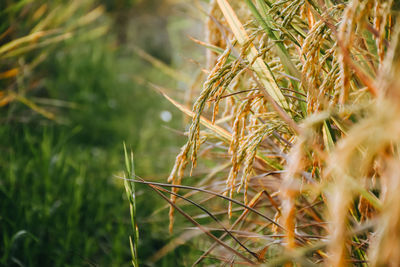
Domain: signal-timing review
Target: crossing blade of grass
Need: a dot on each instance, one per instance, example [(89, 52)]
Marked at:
[(228, 232), (259, 66), (252, 203), (299, 238), (208, 192), (189, 218), (131, 195), (299, 253)]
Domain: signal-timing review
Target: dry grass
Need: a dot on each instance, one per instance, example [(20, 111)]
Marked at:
[(301, 113), (24, 47)]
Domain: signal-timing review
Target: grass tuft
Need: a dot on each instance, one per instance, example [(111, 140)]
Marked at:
[(131, 195)]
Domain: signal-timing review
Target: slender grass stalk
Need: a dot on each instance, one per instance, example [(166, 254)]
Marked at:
[(131, 195)]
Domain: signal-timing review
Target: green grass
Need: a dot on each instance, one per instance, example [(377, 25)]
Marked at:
[(60, 201)]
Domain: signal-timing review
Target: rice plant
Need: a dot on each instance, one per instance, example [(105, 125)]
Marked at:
[(296, 134)]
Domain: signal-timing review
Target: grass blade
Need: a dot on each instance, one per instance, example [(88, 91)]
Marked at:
[(259, 66), (131, 195), (206, 231)]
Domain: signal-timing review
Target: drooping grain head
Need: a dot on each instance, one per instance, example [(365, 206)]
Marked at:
[(310, 100)]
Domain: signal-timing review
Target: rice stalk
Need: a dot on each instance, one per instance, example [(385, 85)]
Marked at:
[(299, 107)]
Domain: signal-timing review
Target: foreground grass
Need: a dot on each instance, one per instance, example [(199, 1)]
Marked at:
[(56, 203)]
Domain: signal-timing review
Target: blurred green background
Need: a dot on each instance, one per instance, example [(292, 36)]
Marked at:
[(72, 89)]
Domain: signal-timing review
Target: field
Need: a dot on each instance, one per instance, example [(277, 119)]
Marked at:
[(209, 133)]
